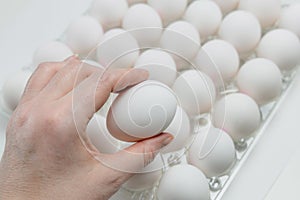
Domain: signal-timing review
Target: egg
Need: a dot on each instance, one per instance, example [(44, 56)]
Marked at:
[(119, 49), (260, 79), (206, 16), (160, 65), (267, 11), (169, 11), (213, 152), (144, 24), (142, 111), (181, 129), (147, 178), (220, 60), (242, 29), (130, 2), (183, 182), (100, 137), (290, 18), (238, 115), (83, 35), (182, 40), (13, 88), (282, 47), (195, 91), (53, 51), (228, 5), (109, 12)]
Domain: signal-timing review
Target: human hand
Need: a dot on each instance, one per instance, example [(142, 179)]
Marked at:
[(47, 153)]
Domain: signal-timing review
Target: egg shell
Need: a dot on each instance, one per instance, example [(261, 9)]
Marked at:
[(290, 18), (238, 115), (213, 152), (148, 176), (181, 129), (119, 49), (52, 51), (160, 65), (169, 12), (242, 29), (83, 35), (144, 24), (181, 39), (183, 182), (227, 5), (109, 12), (100, 137), (267, 11), (142, 111), (13, 88), (282, 47), (206, 16), (196, 92), (130, 2), (260, 79), (220, 60)]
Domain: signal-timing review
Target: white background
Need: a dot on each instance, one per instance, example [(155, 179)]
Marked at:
[(273, 169)]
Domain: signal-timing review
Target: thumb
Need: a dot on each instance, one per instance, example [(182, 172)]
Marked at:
[(135, 158)]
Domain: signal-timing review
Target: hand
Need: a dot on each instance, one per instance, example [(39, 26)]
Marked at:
[(47, 154)]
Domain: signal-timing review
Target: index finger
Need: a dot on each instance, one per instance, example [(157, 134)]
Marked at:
[(90, 95)]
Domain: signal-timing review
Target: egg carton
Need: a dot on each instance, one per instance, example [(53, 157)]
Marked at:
[(218, 185)]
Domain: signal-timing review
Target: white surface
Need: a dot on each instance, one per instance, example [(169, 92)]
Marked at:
[(24, 25)]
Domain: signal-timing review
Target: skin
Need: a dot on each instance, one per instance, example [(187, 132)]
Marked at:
[(47, 154)]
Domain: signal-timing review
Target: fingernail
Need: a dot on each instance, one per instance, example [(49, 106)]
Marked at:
[(167, 140)]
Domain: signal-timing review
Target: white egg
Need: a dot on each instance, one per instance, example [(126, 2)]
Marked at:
[(121, 194), (290, 18), (142, 111), (260, 79), (169, 11), (242, 30), (238, 115), (130, 2), (181, 129), (282, 47), (53, 51), (13, 88), (148, 176), (220, 60), (160, 65), (227, 5), (213, 152), (206, 16), (119, 49), (100, 137), (109, 12), (195, 91), (144, 24), (183, 182), (83, 35), (182, 40), (267, 11)]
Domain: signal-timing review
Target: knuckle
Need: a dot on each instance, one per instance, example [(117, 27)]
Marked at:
[(46, 67), (106, 82), (22, 116)]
